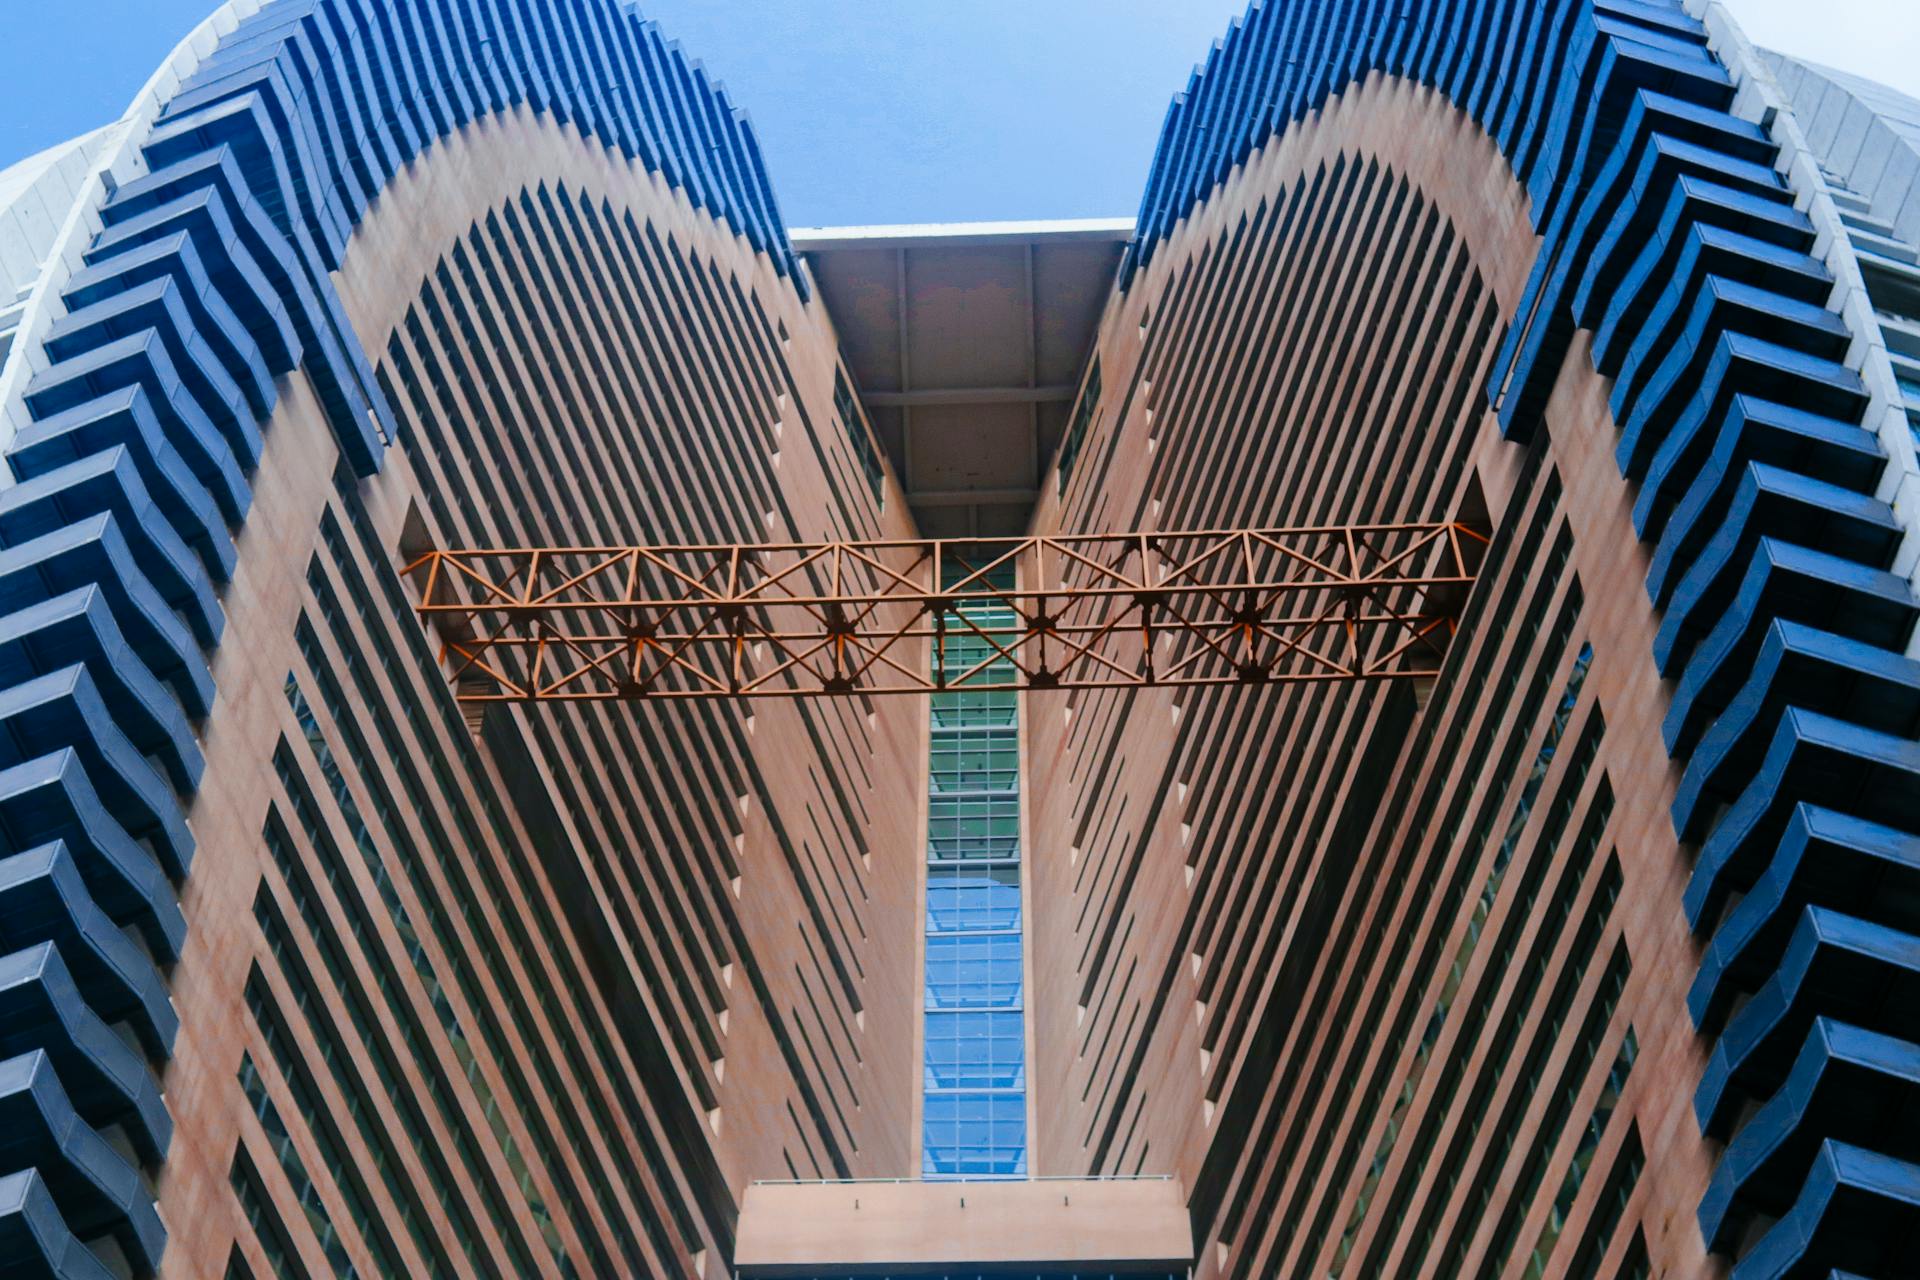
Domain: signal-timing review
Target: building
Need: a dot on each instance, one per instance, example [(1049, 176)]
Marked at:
[(1591, 955)]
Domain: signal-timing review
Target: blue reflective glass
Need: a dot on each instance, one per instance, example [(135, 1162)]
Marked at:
[(975, 1135), (972, 898), (973, 971), (975, 1064), (975, 1051)]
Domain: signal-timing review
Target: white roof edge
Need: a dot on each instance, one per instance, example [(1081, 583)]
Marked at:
[(1853, 81), (932, 234), (24, 172)]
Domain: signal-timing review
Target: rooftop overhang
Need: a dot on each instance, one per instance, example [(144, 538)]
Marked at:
[(1136, 1227), (968, 341)]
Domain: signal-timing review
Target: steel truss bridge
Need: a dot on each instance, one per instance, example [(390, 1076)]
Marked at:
[(1102, 611)]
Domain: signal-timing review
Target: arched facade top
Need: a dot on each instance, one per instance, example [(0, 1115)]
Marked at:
[(214, 248), (1580, 96), (288, 121), (1695, 320), (1526, 71), (195, 270), (349, 90)]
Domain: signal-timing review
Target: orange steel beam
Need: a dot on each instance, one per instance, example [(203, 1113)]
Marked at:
[(1218, 607)]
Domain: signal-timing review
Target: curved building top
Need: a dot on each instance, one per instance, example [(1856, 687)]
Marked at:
[(309, 107), (163, 278), (1865, 133)]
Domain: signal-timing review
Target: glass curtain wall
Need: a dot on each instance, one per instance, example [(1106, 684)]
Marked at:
[(975, 1067)]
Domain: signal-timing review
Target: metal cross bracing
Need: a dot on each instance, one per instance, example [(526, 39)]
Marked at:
[(1184, 609)]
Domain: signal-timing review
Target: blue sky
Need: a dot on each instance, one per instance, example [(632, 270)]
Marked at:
[(882, 110)]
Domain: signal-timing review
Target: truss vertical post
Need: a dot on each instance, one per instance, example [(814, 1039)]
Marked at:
[(1218, 607)]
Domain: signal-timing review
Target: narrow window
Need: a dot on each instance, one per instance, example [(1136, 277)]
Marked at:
[(859, 435), (1076, 438)]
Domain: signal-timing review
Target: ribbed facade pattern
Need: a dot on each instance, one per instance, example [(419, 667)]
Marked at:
[(1673, 262), (1611, 929), (1521, 71), (1338, 967), (535, 1083), (620, 295)]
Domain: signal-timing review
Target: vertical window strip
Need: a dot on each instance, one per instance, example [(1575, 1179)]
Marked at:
[(388, 979), (465, 894), (666, 1201), (1439, 1192), (308, 1000), (1589, 1145), (1484, 628), (437, 916), (423, 967), (1586, 1050), (332, 1246), (268, 1229), (1412, 1179), (1398, 943), (1463, 957), (859, 435), (1076, 437), (975, 1114), (346, 1177), (1454, 893), (1458, 693), (1546, 1036), (1636, 1265), (1609, 1212)]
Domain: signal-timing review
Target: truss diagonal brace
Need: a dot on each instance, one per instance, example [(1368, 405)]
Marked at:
[(1128, 610)]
